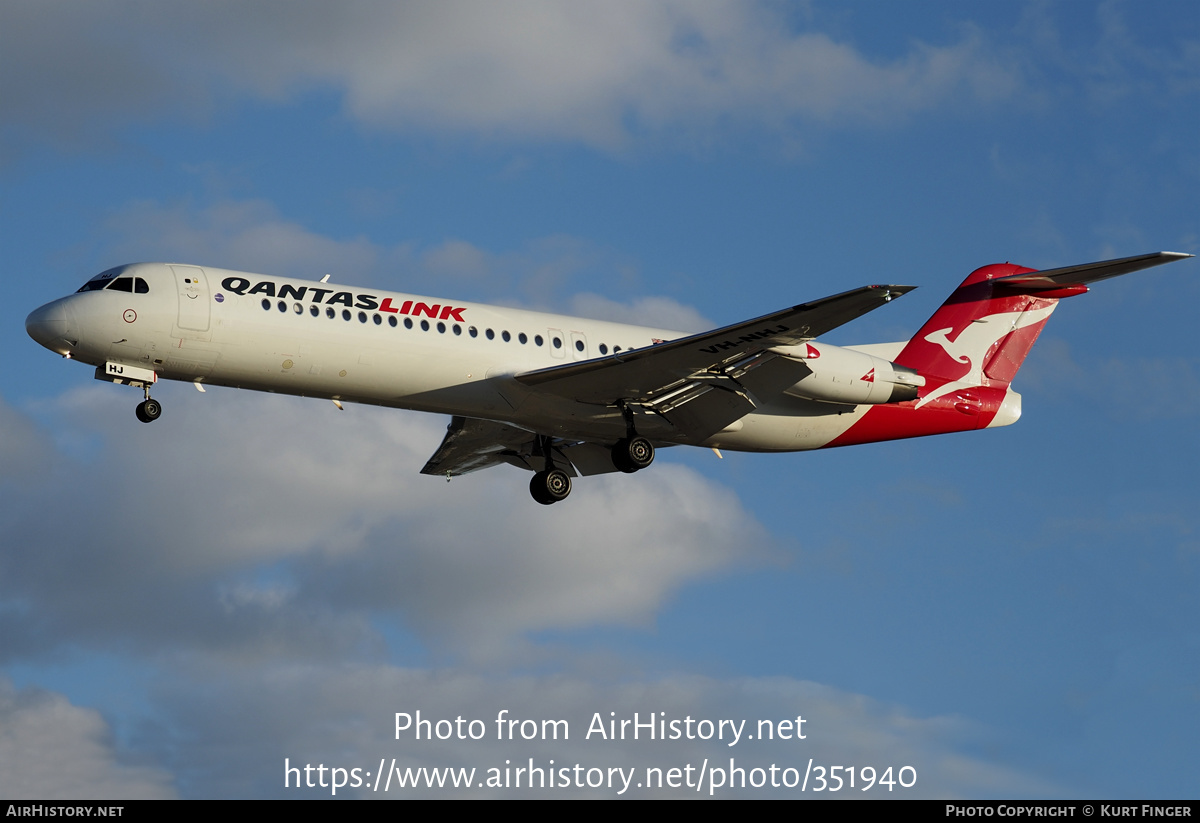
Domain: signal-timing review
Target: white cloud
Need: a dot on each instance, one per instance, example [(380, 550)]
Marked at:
[(24, 449), (657, 312), (52, 750), (456, 258), (248, 235), (595, 72), (253, 544), (244, 518), (251, 235)]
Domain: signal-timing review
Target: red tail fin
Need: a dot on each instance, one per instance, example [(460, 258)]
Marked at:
[(971, 348), (968, 352), (981, 334)]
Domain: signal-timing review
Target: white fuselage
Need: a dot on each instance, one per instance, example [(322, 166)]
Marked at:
[(346, 343)]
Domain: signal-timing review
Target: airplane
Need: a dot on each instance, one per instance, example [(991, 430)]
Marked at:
[(563, 396)]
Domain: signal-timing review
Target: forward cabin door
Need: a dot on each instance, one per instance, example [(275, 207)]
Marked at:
[(194, 307)]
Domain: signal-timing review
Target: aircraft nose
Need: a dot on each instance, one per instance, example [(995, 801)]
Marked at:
[(50, 326)]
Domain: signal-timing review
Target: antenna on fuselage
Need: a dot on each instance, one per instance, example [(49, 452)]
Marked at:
[(325, 279)]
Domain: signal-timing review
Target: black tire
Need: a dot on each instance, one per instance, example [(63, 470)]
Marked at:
[(149, 410), (633, 454), (550, 486), (538, 491)]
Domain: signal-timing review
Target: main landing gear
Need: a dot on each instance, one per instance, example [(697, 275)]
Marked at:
[(551, 484), (149, 409), (632, 453)]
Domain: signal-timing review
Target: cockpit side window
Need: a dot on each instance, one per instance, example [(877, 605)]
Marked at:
[(140, 286), (122, 284)]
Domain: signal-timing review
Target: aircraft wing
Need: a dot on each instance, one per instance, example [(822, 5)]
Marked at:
[(704, 382), (1088, 272), (700, 384), (639, 374)]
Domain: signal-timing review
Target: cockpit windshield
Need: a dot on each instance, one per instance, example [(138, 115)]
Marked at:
[(135, 285), (129, 284)]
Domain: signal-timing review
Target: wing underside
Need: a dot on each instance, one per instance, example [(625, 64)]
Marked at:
[(472, 444)]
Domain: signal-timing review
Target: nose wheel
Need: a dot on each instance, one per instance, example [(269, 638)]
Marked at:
[(149, 409)]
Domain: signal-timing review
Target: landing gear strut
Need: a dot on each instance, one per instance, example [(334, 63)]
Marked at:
[(632, 452), (149, 409), (551, 484)]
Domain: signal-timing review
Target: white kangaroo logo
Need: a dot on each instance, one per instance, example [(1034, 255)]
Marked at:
[(974, 341), (941, 338)]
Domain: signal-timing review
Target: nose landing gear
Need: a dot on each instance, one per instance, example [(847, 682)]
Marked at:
[(149, 409)]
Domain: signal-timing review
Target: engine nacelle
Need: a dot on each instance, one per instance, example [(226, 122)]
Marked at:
[(847, 376)]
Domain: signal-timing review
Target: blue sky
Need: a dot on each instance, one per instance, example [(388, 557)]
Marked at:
[(253, 578)]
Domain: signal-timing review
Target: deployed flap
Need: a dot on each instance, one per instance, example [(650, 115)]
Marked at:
[(652, 372), (471, 445), (1088, 272)]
